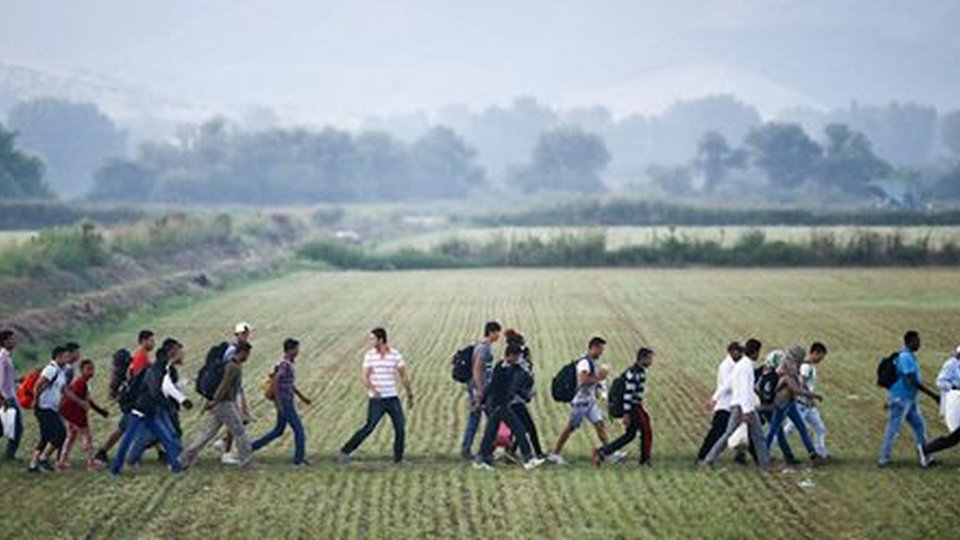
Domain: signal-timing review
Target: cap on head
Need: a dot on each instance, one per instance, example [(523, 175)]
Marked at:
[(242, 327)]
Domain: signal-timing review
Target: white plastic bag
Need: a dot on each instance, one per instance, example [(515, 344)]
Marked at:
[(740, 438), (952, 410), (8, 418)]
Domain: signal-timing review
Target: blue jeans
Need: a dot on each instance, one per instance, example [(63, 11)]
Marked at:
[(776, 427), (286, 415), (474, 415), (899, 410), (14, 444), (160, 429), (146, 439), (376, 408)]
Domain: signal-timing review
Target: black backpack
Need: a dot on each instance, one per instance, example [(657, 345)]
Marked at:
[(462, 364), (119, 372), (887, 373), (563, 388), (615, 397), (767, 387), (129, 391), (212, 371)]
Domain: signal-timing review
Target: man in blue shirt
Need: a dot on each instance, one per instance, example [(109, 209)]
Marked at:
[(902, 403)]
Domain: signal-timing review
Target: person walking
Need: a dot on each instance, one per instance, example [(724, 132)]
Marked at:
[(285, 389), (482, 369), (49, 392), (902, 402), (635, 417), (584, 404), (788, 389), (807, 408), (8, 391), (75, 415), (720, 400), (526, 390)]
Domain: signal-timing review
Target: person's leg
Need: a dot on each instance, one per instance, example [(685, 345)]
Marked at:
[(114, 436), (489, 436), (162, 429), (473, 423), (755, 431), (58, 434), (519, 431), (394, 410), (942, 443), (897, 410), (629, 433), (299, 437), (721, 444), (86, 435), (207, 433), (718, 425), (776, 425), (145, 440), (134, 426), (273, 434), (229, 414), (813, 419), (801, 427), (375, 410), (596, 418), (915, 419), (14, 444), (523, 413), (72, 432), (646, 434), (577, 415)]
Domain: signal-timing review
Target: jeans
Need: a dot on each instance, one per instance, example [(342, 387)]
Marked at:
[(811, 415), (154, 425), (376, 408), (14, 444), (756, 438), (789, 410), (286, 415), (639, 422), (766, 416), (899, 410), (718, 425), (473, 421), (495, 415), (146, 439)]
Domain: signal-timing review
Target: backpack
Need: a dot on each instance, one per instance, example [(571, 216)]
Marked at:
[(563, 388), (270, 384), (767, 387), (119, 372), (26, 392), (129, 391), (615, 398), (462, 364), (210, 375), (887, 374)]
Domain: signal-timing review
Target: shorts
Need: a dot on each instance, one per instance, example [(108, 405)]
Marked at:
[(589, 411)]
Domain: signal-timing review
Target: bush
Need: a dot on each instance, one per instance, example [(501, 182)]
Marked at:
[(70, 249), (172, 233), (18, 216)]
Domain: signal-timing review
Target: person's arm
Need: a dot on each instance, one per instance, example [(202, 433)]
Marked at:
[(303, 398), (585, 377), (172, 391), (72, 396), (478, 369), (365, 377), (227, 384), (407, 383), (912, 380), (98, 409)]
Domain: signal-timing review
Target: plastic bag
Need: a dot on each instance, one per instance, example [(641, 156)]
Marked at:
[(740, 438), (952, 410), (8, 419)]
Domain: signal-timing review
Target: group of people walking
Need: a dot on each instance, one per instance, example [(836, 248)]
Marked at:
[(756, 405)]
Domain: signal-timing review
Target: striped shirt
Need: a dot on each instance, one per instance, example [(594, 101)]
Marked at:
[(383, 375), (635, 384)]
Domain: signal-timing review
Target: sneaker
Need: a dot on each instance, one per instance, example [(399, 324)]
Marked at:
[(925, 459), (467, 456), (45, 465), (533, 464), (35, 468), (220, 446), (482, 466), (230, 459), (598, 457), (101, 456), (301, 464), (556, 459), (883, 463), (344, 459), (616, 457), (645, 463)]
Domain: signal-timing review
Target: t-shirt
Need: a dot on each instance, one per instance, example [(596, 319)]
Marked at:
[(808, 373), (724, 393), (586, 393), (484, 351), (906, 365), (383, 375), (50, 398), (70, 410), (140, 361), (285, 380), (8, 375)]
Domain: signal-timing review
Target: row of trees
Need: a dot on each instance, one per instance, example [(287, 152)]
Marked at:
[(21, 174)]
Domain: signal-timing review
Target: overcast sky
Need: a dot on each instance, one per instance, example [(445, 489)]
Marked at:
[(361, 57)]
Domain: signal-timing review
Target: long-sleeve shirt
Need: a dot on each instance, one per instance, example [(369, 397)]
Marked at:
[(8, 375), (634, 386), (502, 385), (742, 384), (724, 392), (230, 383), (172, 389), (948, 379)]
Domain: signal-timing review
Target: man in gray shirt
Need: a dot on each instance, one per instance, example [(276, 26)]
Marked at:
[(482, 367)]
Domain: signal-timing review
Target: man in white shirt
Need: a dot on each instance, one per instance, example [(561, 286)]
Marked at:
[(8, 390), (720, 400), (742, 411), (584, 405), (381, 366), (49, 391), (806, 406)]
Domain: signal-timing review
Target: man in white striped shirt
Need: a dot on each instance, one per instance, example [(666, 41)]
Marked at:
[(381, 366)]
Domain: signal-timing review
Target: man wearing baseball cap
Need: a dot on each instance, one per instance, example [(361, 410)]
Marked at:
[(241, 333)]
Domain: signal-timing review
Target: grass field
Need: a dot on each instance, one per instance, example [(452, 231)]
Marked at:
[(686, 315)]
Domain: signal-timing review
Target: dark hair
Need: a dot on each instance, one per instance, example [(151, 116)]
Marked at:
[(596, 341), (644, 353), (380, 333), (818, 347), (752, 346), (512, 336), (491, 327), (734, 346), (513, 349), (290, 344), (910, 336), (244, 347), (144, 335), (86, 362), (5, 335), (163, 353), (71, 346), (57, 351)]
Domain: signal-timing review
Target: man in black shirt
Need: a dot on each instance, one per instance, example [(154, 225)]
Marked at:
[(498, 395)]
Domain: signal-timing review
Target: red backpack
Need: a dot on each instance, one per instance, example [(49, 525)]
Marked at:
[(26, 392)]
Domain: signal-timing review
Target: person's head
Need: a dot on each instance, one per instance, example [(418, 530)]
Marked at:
[(772, 361), (491, 331), (956, 354), (243, 351), (242, 332), (818, 351), (73, 349), (795, 355), (912, 340), (378, 337), (86, 369), (735, 350), (512, 353), (8, 339), (511, 335), (291, 348), (752, 349), (147, 340), (60, 355), (171, 351), (645, 357), (595, 347)]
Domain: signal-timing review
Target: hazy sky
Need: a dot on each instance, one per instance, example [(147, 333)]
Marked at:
[(337, 59)]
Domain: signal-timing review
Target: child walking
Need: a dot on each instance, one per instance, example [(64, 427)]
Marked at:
[(74, 412)]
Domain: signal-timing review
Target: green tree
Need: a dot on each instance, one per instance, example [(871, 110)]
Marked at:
[(784, 152), (443, 166), (848, 161), (21, 175), (715, 158), (566, 159)]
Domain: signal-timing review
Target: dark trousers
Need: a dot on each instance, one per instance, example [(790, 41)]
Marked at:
[(286, 416), (638, 423), (523, 413), (376, 408), (505, 414), (52, 429), (942, 443), (13, 444), (718, 426)]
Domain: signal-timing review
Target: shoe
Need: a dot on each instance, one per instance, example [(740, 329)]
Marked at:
[(598, 457), (533, 463), (740, 459), (230, 459), (35, 468), (883, 463), (556, 459), (926, 460), (467, 456), (482, 466), (301, 464), (616, 457), (101, 455), (220, 446), (45, 465), (344, 459), (63, 466)]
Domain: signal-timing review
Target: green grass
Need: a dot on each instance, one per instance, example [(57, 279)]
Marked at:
[(687, 316)]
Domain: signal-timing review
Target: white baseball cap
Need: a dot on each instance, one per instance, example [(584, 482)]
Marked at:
[(242, 327)]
